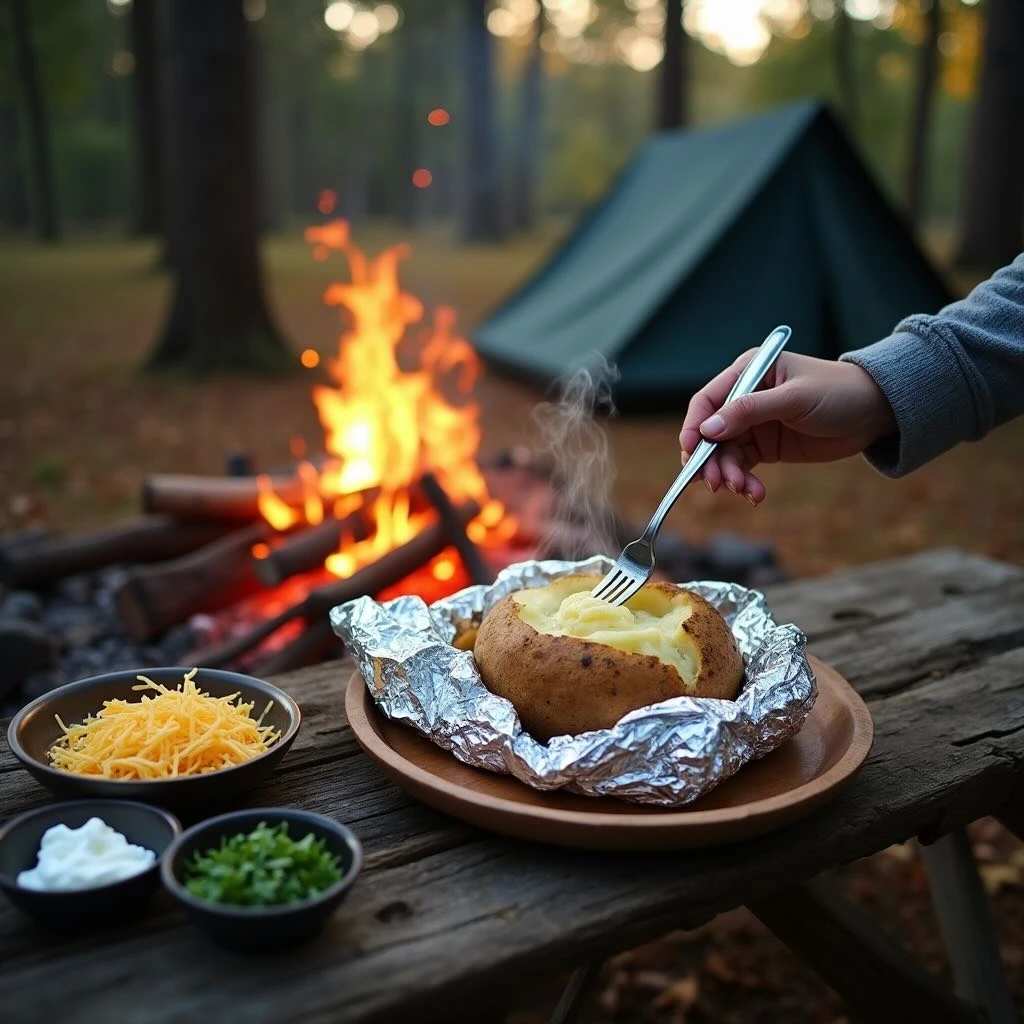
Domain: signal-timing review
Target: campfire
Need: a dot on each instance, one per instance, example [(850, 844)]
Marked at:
[(397, 503), (242, 570), (397, 500), (399, 404)]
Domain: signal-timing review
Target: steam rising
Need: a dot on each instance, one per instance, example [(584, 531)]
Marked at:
[(575, 444)]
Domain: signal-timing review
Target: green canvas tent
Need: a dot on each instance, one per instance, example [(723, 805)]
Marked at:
[(706, 241)]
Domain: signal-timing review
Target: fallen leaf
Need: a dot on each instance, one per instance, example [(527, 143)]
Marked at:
[(680, 995), (996, 877), (656, 980), (718, 966), (901, 851)]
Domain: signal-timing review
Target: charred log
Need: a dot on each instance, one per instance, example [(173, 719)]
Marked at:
[(453, 525), (226, 498), (34, 565), (308, 548), (149, 600), (310, 647), (388, 570)]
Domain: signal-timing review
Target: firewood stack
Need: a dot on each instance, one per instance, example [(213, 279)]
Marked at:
[(201, 547), (200, 552)]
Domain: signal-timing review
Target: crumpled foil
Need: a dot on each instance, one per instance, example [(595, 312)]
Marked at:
[(667, 754)]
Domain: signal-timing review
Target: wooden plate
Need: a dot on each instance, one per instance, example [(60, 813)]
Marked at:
[(765, 795)]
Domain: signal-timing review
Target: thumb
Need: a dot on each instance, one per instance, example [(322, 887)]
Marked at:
[(737, 417)]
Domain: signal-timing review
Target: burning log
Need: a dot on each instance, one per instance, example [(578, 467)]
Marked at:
[(385, 572), (225, 498), (34, 565), (149, 600), (309, 648), (235, 498), (308, 548), (453, 525)]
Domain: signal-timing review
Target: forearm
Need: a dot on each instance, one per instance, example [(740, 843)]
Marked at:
[(950, 377)]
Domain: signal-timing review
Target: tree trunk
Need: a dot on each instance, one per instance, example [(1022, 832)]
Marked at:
[(145, 45), (482, 214), (672, 84), (439, 143), (16, 211), (37, 120), (993, 225), (524, 196), (303, 187), (409, 102), (219, 318), (846, 74), (927, 75)]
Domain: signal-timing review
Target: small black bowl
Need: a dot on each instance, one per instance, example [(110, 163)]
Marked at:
[(251, 929), (85, 909), (34, 729)]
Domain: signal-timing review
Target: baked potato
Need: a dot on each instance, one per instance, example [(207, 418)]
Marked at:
[(570, 663)]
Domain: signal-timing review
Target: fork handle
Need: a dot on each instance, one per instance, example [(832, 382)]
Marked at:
[(752, 375)]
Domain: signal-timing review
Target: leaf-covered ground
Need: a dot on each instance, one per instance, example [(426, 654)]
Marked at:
[(79, 428)]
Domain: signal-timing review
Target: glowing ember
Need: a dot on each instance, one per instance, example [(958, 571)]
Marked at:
[(422, 178), (400, 404), (438, 117)]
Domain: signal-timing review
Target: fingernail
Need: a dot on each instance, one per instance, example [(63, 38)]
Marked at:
[(731, 486), (712, 425), (685, 456), (750, 499), (707, 483)]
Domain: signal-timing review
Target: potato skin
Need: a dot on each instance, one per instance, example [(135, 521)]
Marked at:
[(564, 685)]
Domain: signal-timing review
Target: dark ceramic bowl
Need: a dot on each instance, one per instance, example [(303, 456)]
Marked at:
[(252, 929), (85, 909), (34, 729)]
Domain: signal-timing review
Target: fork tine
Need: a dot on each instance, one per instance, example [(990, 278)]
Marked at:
[(610, 581), (632, 589), (622, 586)]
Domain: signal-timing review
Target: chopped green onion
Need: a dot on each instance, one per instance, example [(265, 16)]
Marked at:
[(264, 868)]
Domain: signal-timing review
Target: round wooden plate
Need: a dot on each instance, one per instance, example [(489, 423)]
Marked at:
[(765, 795)]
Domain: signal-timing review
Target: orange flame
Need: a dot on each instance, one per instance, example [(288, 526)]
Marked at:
[(399, 404)]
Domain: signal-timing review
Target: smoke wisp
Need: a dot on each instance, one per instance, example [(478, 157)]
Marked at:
[(573, 441)]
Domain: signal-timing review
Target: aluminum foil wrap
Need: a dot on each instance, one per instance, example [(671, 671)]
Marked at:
[(667, 754)]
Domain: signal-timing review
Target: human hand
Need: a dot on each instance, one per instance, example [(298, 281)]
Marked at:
[(807, 410)]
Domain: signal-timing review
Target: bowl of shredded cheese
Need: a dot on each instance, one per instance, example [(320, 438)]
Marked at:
[(171, 736)]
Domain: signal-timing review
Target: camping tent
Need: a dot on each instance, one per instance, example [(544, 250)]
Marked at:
[(706, 241)]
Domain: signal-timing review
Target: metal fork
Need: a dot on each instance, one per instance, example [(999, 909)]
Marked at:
[(636, 563)]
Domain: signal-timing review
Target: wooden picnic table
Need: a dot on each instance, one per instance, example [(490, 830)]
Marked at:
[(445, 916)]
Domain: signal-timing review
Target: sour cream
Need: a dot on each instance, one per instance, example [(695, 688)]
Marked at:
[(84, 858)]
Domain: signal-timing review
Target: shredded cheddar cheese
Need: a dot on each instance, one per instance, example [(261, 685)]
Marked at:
[(180, 731)]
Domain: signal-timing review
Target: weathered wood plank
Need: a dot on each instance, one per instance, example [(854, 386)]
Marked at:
[(884, 590), (899, 654), (493, 910), (874, 975), (441, 906)]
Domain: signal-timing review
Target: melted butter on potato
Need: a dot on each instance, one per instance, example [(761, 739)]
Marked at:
[(650, 623)]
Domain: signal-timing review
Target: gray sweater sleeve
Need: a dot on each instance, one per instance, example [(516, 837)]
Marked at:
[(953, 376)]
